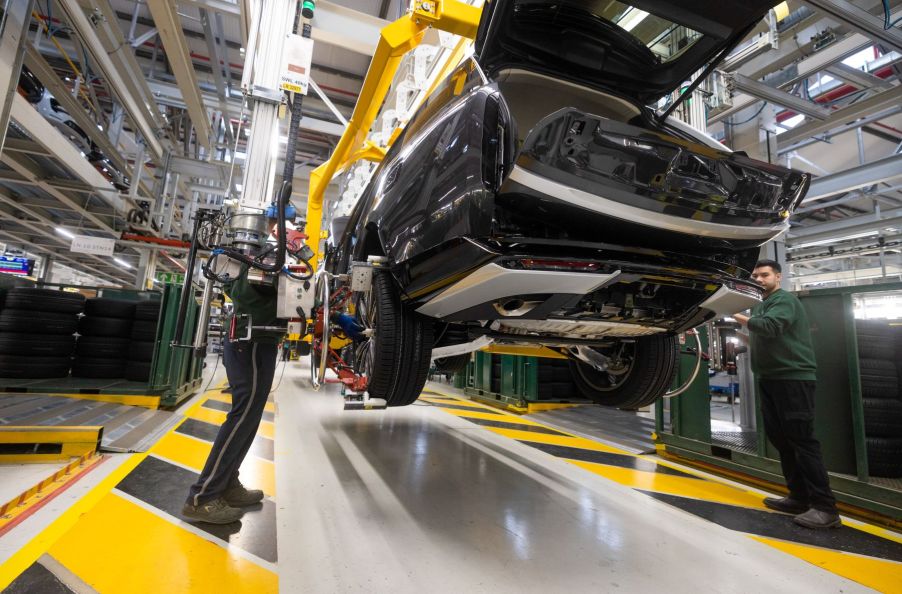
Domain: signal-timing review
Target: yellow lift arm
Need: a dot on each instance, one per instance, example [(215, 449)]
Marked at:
[(395, 40)]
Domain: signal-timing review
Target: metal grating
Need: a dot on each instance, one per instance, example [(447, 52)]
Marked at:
[(741, 441)]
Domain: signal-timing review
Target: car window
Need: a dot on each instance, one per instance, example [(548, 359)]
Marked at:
[(464, 79)]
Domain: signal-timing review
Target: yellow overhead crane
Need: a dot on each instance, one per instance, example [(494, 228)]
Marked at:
[(395, 40)]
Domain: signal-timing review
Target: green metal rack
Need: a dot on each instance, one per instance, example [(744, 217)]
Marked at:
[(175, 372), (839, 423)]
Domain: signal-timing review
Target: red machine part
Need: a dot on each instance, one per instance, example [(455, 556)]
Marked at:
[(346, 375)]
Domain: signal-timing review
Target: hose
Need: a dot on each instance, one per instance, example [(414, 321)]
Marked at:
[(698, 366)]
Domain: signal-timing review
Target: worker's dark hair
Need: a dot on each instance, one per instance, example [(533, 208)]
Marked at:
[(772, 263)]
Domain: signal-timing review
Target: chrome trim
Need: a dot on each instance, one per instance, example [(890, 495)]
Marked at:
[(492, 282), (726, 301), (635, 214)]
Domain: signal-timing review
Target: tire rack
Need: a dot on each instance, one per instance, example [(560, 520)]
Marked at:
[(175, 373), (839, 418)]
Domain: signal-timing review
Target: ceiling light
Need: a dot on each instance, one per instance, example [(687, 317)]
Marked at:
[(65, 233), (835, 240), (122, 262), (631, 19)]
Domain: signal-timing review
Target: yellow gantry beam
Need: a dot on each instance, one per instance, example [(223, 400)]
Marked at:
[(395, 40)]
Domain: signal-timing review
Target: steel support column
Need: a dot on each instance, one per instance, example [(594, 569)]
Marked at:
[(15, 20)]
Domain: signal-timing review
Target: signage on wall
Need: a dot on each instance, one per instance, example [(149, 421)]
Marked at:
[(168, 278), (16, 265), (85, 244), (297, 57)]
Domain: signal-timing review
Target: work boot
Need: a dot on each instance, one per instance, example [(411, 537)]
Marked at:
[(238, 496), (818, 519), (212, 512), (787, 505)]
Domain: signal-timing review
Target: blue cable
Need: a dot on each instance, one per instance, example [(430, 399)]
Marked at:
[(887, 15)]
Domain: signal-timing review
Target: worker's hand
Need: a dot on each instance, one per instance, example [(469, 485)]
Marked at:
[(742, 319)]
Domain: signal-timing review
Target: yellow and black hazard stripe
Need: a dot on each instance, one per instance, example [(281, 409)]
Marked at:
[(858, 551), (127, 533)]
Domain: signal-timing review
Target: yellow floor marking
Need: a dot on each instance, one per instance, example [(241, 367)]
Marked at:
[(468, 403), (193, 454), (133, 550), (218, 417), (28, 554), (561, 440), (675, 485), (489, 416), (879, 574), (227, 398), (875, 530)]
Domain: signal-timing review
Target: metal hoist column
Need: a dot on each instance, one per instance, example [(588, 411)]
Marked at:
[(270, 26), (13, 30)]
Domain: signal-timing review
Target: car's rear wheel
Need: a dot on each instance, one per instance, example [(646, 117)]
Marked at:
[(639, 372), (395, 357)]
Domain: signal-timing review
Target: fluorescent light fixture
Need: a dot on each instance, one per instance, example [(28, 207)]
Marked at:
[(65, 233), (835, 240), (631, 19), (122, 262)]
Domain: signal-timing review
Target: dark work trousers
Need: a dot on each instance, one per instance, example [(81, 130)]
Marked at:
[(788, 410), (250, 367)]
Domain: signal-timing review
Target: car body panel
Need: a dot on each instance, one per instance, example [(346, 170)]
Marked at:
[(601, 43), (482, 179)]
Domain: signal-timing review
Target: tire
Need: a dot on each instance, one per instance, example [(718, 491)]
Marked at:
[(143, 330), (885, 456), (98, 326), (147, 311), (397, 357), (36, 345), (44, 300), (141, 351), (878, 368), (886, 389), (110, 308), (876, 351), (882, 417), (137, 371), (101, 347), (98, 368), (453, 364), (34, 367), (31, 322), (650, 373)]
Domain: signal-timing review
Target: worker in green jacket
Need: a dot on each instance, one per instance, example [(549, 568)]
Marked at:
[(785, 368), (218, 497)]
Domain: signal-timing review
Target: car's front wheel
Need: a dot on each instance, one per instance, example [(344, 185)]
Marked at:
[(395, 356), (638, 372)]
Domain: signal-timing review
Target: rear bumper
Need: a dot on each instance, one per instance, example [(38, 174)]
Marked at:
[(523, 180)]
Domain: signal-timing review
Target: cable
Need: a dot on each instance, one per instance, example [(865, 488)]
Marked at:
[(757, 113), (887, 15), (273, 391)]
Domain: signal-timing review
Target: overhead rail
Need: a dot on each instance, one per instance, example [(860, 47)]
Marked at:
[(395, 40), (879, 171), (127, 85), (860, 20), (178, 55)]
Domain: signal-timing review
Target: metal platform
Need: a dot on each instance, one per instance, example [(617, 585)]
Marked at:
[(125, 428)]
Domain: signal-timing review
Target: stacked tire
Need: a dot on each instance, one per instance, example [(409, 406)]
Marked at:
[(103, 341), (143, 341), (555, 380), (37, 328), (879, 348)]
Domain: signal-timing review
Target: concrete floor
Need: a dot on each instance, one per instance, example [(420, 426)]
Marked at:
[(416, 499)]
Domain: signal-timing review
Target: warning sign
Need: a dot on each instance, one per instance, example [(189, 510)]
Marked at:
[(296, 60)]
